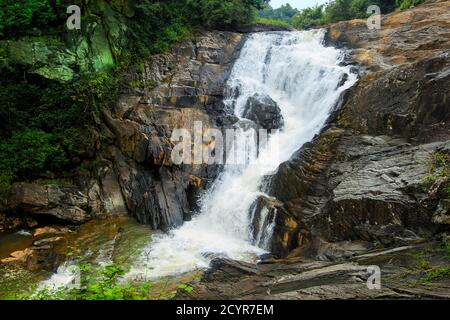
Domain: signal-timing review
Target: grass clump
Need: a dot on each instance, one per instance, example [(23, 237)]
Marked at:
[(435, 274), (438, 167)]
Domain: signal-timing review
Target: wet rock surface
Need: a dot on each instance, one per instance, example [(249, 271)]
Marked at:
[(42, 255), (402, 277), (405, 36), (67, 204), (264, 112)]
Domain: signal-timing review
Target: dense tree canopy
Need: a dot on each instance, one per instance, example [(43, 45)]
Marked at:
[(285, 12), (19, 17), (27, 16), (340, 10)]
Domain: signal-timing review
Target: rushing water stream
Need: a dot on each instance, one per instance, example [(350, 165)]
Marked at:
[(302, 77)]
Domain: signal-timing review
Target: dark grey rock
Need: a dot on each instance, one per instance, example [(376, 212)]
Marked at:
[(263, 111)]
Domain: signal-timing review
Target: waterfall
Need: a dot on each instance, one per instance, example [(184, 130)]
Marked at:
[(305, 79)]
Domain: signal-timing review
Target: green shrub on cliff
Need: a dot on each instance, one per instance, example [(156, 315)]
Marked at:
[(45, 124), (273, 22), (30, 151), (158, 24), (405, 4), (438, 167)]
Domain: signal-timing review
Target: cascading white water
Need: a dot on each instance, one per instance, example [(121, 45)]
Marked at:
[(302, 77)]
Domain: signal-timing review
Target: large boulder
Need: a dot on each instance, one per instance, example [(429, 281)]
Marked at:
[(67, 204), (42, 255), (264, 111)]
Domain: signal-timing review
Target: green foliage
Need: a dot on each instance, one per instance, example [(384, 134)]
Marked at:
[(186, 288), (221, 14), (423, 262), (29, 102), (164, 24), (26, 154), (340, 10), (438, 166), (434, 274), (21, 17), (45, 123), (445, 249), (97, 284), (439, 163), (170, 21), (406, 4), (273, 22), (102, 283), (284, 13), (31, 151), (309, 18), (431, 264), (6, 177)]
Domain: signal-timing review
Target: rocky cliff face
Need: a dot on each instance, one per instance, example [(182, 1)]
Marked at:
[(170, 91), (133, 171), (367, 175)]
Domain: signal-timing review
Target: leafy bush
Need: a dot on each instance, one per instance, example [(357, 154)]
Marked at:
[(95, 284), (284, 13), (104, 284), (29, 152), (19, 17), (438, 166), (340, 10), (221, 14), (405, 4), (309, 18), (436, 273), (274, 22), (44, 123)]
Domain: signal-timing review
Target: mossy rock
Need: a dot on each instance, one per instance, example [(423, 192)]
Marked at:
[(58, 73), (50, 61)]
